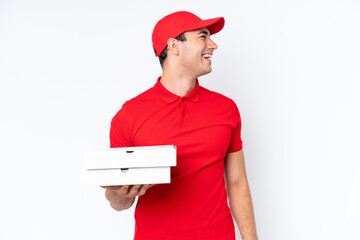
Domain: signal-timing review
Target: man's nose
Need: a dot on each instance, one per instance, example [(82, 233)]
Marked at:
[(212, 44)]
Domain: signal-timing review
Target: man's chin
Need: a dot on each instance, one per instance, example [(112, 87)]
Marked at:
[(206, 72)]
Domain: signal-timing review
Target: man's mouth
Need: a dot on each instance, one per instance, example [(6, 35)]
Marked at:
[(207, 56)]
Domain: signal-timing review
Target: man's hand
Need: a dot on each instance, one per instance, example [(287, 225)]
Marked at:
[(122, 197), (129, 191)]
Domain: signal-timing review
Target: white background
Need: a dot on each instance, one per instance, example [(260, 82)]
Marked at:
[(66, 67)]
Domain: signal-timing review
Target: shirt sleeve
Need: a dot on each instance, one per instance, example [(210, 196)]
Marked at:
[(120, 130), (236, 141)]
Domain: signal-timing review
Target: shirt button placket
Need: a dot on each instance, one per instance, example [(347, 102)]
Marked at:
[(181, 112)]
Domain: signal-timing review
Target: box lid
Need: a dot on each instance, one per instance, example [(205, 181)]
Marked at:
[(131, 157)]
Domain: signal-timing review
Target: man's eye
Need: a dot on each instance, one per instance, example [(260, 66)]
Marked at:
[(203, 36)]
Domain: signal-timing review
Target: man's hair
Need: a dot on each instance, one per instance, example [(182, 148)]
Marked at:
[(163, 54)]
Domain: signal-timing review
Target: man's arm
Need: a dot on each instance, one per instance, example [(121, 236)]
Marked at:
[(239, 194)]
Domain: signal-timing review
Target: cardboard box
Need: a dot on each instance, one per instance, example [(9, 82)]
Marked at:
[(128, 166)]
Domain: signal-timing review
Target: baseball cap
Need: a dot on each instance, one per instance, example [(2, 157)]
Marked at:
[(177, 23)]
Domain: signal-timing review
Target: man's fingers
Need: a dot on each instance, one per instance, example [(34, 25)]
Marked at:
[(143, 189), (133, 192), (124, 190), (129, 190), (112, 187)]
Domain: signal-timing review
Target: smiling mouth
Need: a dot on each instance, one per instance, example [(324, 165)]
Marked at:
[(207, 56)]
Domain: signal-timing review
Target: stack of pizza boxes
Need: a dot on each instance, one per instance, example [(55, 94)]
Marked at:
[(128, 166)]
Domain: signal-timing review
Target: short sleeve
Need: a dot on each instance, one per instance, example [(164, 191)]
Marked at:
[(120, 130), (236, 141)]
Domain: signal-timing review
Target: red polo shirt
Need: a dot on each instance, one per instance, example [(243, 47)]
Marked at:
[(204, 126)]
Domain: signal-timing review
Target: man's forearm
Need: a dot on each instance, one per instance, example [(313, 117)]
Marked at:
[(242, 210)]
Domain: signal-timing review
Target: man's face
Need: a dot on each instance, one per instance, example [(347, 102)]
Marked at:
[(196, 52)]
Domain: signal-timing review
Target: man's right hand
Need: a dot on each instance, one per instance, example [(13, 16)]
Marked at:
[(123, 197)]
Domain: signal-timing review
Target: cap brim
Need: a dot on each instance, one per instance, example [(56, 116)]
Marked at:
[(214, 25)]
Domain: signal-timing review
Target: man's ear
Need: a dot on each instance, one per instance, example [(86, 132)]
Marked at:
[(173, 46)]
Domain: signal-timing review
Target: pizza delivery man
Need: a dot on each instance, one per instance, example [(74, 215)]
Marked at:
[(205, 126)]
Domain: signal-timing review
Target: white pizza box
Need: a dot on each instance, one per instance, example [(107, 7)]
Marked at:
[(130, 157), (130, 176), (128, 166)]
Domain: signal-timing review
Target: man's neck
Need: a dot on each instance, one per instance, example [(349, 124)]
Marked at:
[(178, 85)]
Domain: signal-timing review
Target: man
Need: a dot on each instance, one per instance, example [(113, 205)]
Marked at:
[(204, 125)]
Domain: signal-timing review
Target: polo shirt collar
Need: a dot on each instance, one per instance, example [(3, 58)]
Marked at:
[(170, 97)]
